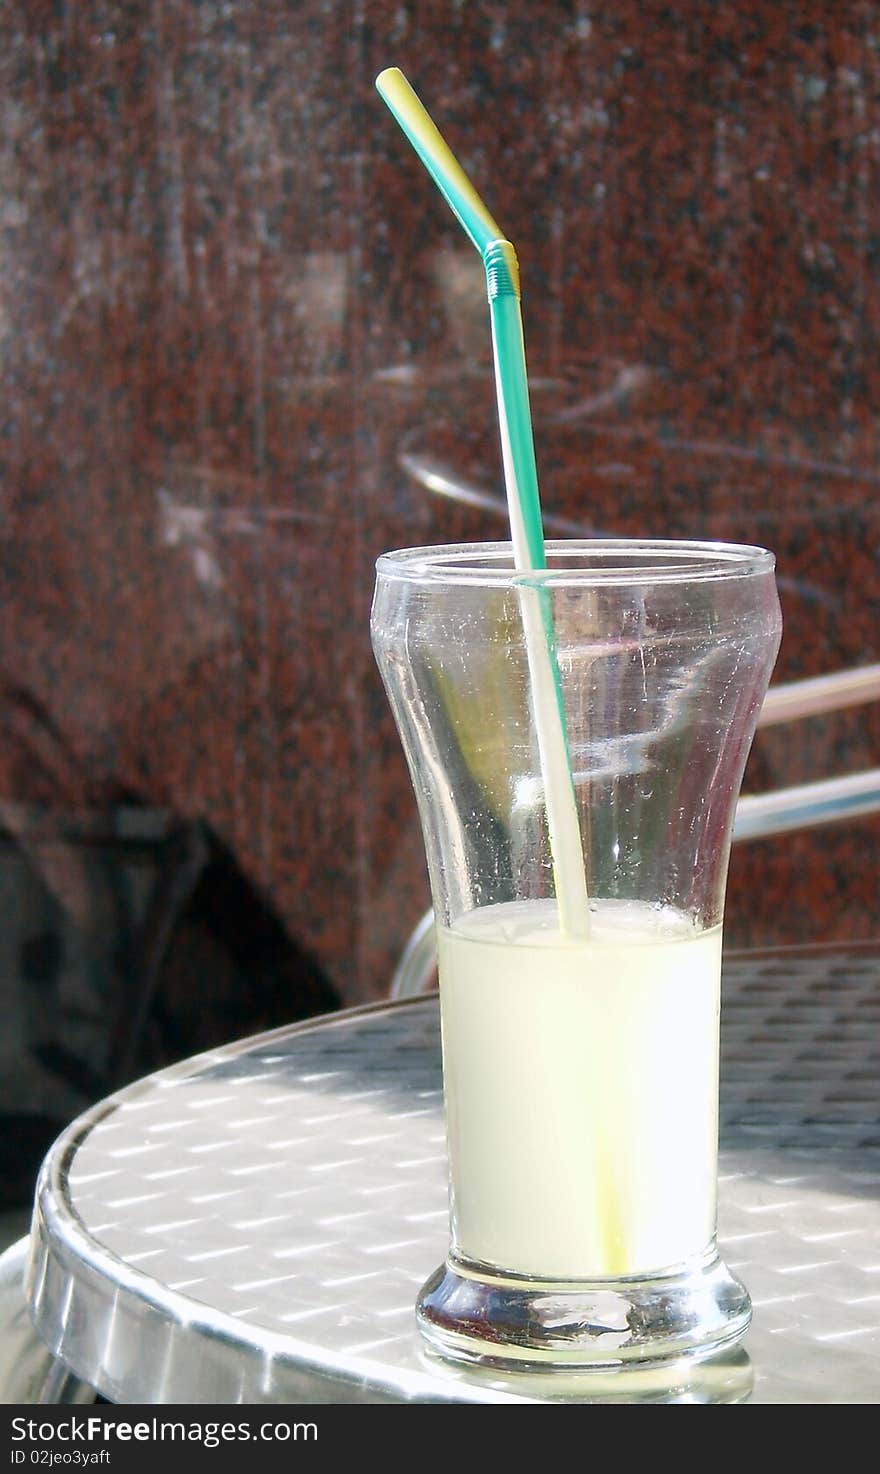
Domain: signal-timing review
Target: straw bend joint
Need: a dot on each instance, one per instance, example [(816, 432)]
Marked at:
[(502, 270)]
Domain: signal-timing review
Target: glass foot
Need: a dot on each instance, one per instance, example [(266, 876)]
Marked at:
[(472, 1313)]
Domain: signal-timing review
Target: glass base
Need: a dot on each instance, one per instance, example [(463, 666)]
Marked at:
[(473, 1313)]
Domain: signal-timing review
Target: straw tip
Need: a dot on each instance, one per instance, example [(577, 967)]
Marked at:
[(389, 74)]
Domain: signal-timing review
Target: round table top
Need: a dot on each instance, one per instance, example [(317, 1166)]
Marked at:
[(253, 1225)]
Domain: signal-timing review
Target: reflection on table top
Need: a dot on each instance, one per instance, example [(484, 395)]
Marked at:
[(253, 1225)]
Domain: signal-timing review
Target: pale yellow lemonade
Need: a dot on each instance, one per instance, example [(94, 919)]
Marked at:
[(581, 1082)]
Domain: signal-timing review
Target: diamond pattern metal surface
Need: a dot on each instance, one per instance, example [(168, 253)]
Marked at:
[(254, 1225)]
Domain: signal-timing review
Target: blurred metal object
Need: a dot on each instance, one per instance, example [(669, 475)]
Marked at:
[(827, 801), (795, 700), (437, 477), (418, 961), (758, 816)]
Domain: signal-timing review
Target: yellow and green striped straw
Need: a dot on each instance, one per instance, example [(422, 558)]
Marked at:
[(521, 482)]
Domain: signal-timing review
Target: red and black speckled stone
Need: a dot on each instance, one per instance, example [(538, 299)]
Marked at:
[(238, 323)]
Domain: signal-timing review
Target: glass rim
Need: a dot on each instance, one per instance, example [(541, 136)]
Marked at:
[(639, 561)]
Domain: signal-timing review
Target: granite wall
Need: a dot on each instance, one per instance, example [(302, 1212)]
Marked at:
[(244, 348)]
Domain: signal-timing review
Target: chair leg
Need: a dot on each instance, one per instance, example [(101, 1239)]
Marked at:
[(186, 855)]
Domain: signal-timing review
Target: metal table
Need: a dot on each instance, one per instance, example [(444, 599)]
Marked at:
[(252, 1226)]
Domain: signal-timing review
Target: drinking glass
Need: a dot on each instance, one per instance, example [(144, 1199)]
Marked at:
[(580, 1055)]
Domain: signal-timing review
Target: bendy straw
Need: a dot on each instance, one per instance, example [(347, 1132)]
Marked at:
[(521, 483)]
